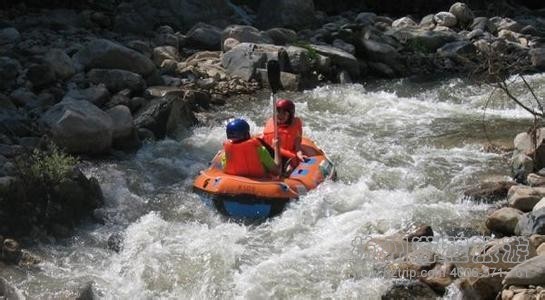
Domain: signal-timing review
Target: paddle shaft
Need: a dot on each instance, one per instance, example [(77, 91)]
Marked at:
[(273, 74), (277, 158)]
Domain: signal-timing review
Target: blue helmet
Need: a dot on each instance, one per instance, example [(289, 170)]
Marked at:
[(238, 129)]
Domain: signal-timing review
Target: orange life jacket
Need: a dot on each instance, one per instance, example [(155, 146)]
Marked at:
[(242, 159), (287, 134)]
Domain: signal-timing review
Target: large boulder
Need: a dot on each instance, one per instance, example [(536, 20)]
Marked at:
[(142, 16), (163, 116), (341, 58), (245, 34), (530, 272), (537, 56), (105, 54), (504, 220), (295, 14), (243, 60), (9, 70), (61, 63), (204, 36), (97, 94), (117, 80), (79, 127), (463, 14)]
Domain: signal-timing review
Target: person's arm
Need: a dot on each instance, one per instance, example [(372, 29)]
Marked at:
[(298, 140), (268, 161)]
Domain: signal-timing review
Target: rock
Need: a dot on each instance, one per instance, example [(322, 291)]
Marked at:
[(281, 36), (41, 75), (141, 46), (115, 242), (294, 14), (98, 95), (162, 91), (243, 60), (423, 41), (462, 13), (105, 54), (229, 44), (483, 24), (165, 115), (165, 52), (61, 64), (88, 292), (535, 180), (14, 122), (124, 132), (11, 251), (145, 134), (541, 250), (205, 36), (380, 52), (9, 70), (537, 56), (445, 19), (521, 166), (409, 289), (539, 205), (530, 272), (531, 223), (117, 80), (489, 191), (504, 220), (485, 287), (79, 127), (9, 35), (420, 234), (245, 34), (404, 22), (460, 48), (439, 277), (340, 58), (365, 18), (525, 198), (381, 69), (506, 23)]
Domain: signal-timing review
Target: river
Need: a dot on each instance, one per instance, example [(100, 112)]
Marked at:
[(405, 151)]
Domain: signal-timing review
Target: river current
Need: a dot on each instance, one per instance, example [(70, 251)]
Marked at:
[(405, 150)]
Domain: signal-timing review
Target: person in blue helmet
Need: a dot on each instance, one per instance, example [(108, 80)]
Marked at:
[(245, 155)]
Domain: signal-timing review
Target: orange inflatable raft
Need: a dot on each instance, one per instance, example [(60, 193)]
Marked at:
[(257, 198)]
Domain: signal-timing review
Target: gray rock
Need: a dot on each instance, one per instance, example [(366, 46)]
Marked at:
[(427, 21), (105, 54), (143, 47), (404, 22), (9, 35), (8, 291), (409, 289), (281, 36), (165, 115), (537, 56), (530, 272), (245, 34), (9, 70), (61, 63), (163, 53), (14, 122), (462, 48), (531, 223), (204, 36), (366, 18), (524, 197), (41, 75), (98, 94), (445, 19), (243, 60), (504, 220), (122, 122), (295, 14), (117, 80), (79, 127), (463, 14), (340, 58)]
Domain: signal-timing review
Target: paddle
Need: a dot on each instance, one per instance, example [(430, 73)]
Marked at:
[(273, 75)]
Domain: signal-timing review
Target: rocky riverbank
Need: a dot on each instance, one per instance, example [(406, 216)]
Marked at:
[(107, 77)]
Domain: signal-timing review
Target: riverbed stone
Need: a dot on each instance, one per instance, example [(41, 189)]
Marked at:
[(464, 15), (539, 205), (531, 223), (105, 54), (61, 64), (525, 198), (490, 191), (530, 272), (504, 220), (116, 80), (79, 127)]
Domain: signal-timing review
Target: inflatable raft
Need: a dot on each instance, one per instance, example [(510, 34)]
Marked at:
[(258, 198)]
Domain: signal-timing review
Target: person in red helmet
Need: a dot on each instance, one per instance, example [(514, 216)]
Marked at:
[(290, 132)]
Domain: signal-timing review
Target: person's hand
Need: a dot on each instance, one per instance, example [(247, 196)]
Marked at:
[(275, 143), (301, 156)]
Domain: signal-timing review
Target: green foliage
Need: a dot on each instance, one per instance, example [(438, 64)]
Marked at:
[(312, 54), (48, 167)]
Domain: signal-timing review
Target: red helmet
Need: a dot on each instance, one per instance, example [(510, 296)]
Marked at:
[(286, 104)]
